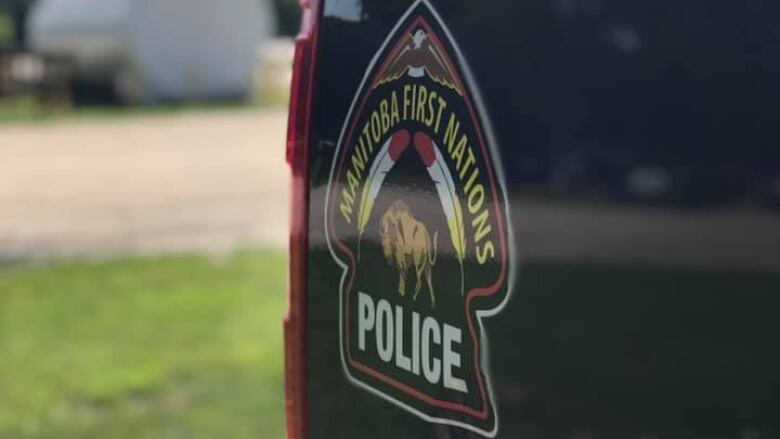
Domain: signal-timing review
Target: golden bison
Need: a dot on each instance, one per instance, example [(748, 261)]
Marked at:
[(407, 244)]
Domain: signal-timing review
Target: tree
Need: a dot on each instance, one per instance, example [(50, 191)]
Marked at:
[(17, 11), (288, 16)]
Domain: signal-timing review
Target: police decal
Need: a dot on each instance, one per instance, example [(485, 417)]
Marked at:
[(416, 216)]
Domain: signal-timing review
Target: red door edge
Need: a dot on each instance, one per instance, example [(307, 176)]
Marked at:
[(298, 138)]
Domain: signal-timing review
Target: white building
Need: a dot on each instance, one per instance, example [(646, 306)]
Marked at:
[(157, 50)]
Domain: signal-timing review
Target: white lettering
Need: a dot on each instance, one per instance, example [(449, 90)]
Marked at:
[(435, 346), (416, 343), (401, 361), (431, 365), (451, 358), (384, 325), (365, 318)]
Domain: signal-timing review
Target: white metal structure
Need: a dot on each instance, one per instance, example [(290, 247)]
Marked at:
[(157, 50)]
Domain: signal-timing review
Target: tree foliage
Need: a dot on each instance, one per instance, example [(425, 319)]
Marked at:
[(16, 12), (288, 16)]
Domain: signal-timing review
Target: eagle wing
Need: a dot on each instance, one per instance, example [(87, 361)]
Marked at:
[(427, 57)]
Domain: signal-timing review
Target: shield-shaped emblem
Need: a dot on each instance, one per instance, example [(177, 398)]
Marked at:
[(416, 216)]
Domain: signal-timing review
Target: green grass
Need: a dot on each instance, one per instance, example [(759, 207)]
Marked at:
[(6, 30), (179, 347), (28, 110)]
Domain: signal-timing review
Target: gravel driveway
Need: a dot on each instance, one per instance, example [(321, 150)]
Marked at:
[(195, 181)]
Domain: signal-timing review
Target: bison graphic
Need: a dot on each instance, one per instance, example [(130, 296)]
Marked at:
[(406, 243)]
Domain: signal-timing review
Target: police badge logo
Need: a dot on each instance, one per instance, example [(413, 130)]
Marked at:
[(416, 217)]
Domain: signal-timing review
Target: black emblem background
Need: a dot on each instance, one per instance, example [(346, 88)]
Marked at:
[(485, 285)]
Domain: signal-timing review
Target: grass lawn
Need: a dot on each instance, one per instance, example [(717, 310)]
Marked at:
[(27, 110), (176, 347)]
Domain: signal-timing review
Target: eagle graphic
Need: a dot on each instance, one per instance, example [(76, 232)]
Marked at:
[(417, 55)]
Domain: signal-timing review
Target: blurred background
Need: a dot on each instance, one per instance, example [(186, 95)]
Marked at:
[(143, 217)]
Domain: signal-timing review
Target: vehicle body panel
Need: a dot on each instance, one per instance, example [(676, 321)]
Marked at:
[(638, 144)]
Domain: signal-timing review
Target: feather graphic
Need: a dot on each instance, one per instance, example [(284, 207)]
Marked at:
[(384, 162), (445, 186)]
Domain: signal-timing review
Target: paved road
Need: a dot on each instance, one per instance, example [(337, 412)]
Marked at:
[(211, 180)]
